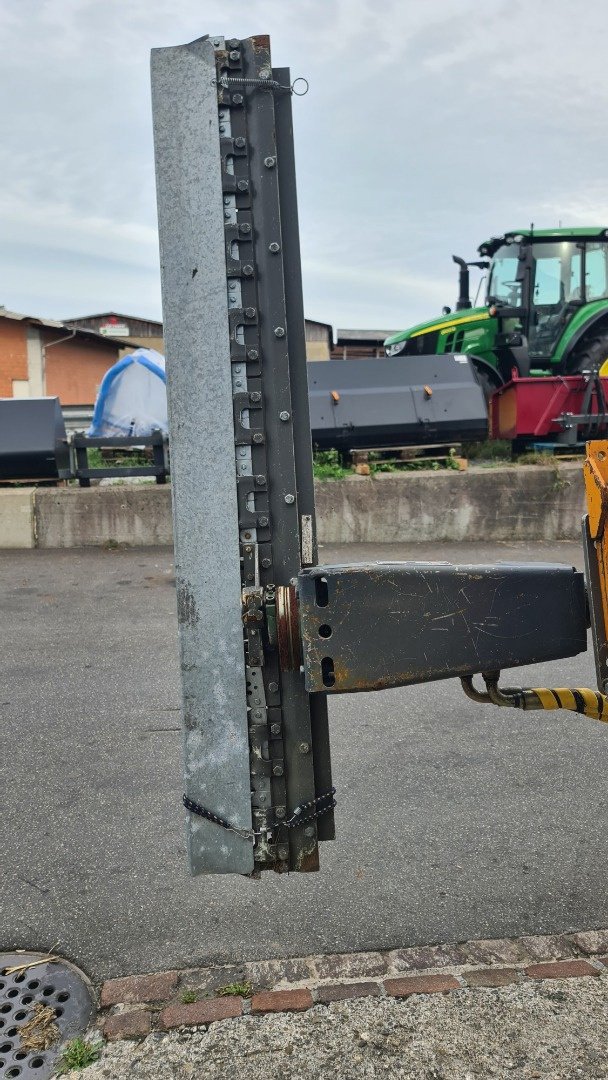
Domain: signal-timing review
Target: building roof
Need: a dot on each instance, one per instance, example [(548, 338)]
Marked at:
[(364, 335), (54, 324), (114, 315)]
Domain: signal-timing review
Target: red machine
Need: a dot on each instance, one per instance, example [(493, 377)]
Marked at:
[(556, 409)]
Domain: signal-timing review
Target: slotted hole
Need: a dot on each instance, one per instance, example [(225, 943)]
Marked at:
[(58, 1012), (21, 1015), (20, 977), (13, 992), (6, 1048), (20, 1055), (327, 671), (5, 1008), (63, 996), (321, 592), (48, 990), (15, 1071), (36, 1063), (10, 1034), (33, 984), (25, 1000)]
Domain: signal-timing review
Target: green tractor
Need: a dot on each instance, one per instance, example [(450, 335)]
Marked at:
[(545, 311)]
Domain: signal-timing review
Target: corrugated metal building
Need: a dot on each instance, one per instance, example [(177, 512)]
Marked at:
[(351, 344)]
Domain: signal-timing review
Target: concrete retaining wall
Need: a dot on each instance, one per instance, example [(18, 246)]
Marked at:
[(506, 503)]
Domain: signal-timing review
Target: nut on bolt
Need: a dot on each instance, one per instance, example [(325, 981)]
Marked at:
[(258, 437), (270, 162), (245, 228), (304, 748), (290, 499), (274, 247), (240, 142), (247, 270), (243, 185), (284, 415), (283, 853), (277, 770), (279, 331), (275, 729)]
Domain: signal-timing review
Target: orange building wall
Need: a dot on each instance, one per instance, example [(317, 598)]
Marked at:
[(74, 370), (13, 354)]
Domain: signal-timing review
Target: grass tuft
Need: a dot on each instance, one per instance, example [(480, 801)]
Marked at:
[(77, 1054), (188, 997), (236, 989)]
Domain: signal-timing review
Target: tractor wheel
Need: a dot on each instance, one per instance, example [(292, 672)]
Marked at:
[(488, 377), (590, 356)]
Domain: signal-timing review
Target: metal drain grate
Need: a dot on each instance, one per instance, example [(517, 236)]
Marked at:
[(57, 984)]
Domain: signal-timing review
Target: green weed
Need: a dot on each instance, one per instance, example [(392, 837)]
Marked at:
[(77, 1054)]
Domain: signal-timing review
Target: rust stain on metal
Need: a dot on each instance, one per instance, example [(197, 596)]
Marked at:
[(288, 628), (187, 610), (308, 861)]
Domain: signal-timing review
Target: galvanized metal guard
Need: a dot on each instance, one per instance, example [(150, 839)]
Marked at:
[(256, 744)]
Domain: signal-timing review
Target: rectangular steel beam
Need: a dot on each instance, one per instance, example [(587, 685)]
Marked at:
[(200, 396)]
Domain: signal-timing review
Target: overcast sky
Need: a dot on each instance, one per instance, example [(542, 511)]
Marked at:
[(429, 125)]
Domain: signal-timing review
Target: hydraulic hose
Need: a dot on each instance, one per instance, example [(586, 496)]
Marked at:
[(580, 699)]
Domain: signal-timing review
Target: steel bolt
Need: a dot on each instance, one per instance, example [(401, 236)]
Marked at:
[(260, 480), (247, 535), (283, 853), (255, 396), (237, 99), (266, 563), (234, 55), (232, 285), (258, 438), (245, 228), (273, 687), (250, 313), (279, 331), (226, 200), (263, 522), (270, 162), (309, 830), (284, 415), (290, 499), (280, 811), (304, 748), (277, 770), (240, 142), (247, 270), (233, 43), (227, 214), (248, 548), (252, 354), (222, 129), (238, 368), (274, 247), (275, 729), (243, 185), (262, 796), (253, 633)]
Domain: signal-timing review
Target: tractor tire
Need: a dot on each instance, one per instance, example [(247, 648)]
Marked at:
[(488, 377), (590, 356)]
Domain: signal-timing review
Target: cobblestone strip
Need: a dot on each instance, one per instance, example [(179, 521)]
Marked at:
[(134, 1006)]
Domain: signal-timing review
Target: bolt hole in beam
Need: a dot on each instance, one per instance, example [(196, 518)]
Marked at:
[(321, 592), (325, 631), (327, 671)]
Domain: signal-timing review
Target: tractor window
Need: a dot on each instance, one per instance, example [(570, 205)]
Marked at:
[(547, 282), (556, 286), (596, 279), (503, 285)]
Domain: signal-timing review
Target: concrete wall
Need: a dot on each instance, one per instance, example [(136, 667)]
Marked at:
[(523, 503)]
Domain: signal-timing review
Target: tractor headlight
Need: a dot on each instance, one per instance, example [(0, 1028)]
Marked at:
[(396, 348)]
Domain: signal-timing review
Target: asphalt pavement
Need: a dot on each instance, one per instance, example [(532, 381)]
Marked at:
[(454, 821)]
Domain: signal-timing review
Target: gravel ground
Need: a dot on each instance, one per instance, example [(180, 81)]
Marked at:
[(553, 1031)]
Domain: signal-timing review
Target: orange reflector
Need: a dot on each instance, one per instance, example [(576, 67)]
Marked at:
[(335, 395)]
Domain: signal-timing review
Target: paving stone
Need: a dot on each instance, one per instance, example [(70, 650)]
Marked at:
[(281, 1001), (266, 974), (561, 969), (548, 947), (200, 1012), (421, 984), (136, 989), (346, 991), (494, 951), (428, 956), (591, 941), (491, 977), (128, 1025), (350, 965)]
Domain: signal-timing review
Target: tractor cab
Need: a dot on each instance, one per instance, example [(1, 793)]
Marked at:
[(543, 281), (545, 310)]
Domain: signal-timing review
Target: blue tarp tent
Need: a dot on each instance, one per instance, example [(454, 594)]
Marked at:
[(132, 398)]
